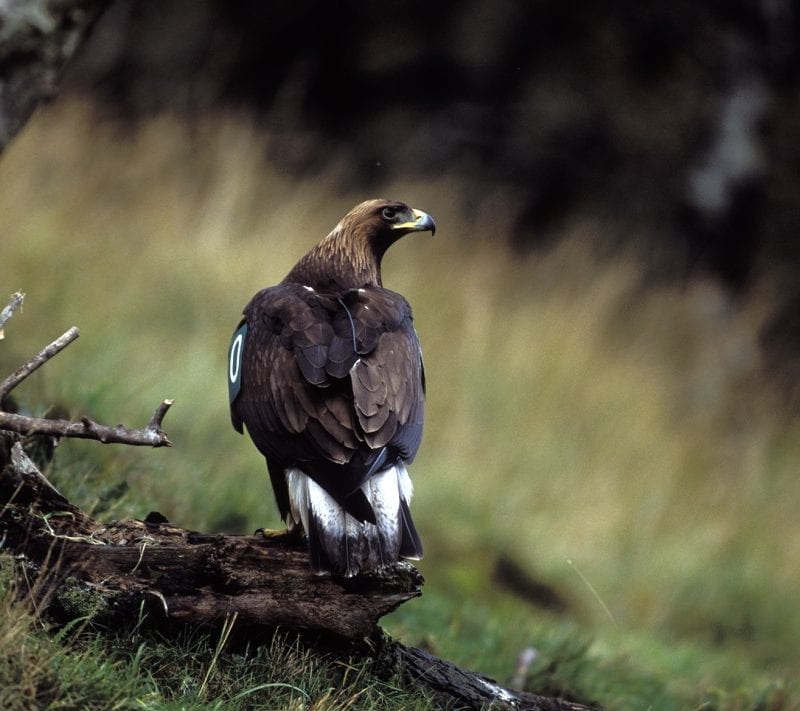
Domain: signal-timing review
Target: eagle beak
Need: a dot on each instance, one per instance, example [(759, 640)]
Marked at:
[(422, 222)]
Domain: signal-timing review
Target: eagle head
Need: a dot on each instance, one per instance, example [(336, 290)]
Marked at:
[(350, 256), (380, 223)]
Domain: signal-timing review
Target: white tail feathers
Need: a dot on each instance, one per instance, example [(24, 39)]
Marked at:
[(340, 543)]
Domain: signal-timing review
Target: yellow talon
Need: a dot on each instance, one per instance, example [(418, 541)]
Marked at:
[(271, 532)]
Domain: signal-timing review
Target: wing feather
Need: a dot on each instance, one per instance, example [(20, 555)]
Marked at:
[(333, 382)]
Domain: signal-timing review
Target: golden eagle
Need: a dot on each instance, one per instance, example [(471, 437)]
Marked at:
[(325, 370)]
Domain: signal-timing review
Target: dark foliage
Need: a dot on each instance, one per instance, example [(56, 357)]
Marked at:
[(675, 123)]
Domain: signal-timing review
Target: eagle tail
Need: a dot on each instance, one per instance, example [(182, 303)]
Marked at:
[(410, 545), (339, 542)]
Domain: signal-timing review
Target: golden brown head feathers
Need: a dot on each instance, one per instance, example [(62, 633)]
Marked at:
[(350, 256)]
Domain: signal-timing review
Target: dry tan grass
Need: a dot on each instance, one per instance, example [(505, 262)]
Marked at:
[(576, 413)]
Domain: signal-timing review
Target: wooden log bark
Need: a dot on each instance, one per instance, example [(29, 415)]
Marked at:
[(457, 688), (182, 575), (77, 566)]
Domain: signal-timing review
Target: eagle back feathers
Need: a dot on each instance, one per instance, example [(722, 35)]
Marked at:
[(336, 376)]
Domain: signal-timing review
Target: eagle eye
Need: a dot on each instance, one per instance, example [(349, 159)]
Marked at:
[(389, 213)]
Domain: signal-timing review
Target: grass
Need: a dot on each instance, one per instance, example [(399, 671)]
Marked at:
[(607, 432), (80, 667)]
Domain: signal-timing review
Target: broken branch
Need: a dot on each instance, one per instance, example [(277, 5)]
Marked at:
[(150, 436), (8, 311), (38, 360)]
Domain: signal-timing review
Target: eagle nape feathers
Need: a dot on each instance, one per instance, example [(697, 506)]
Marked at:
[(325, 372)]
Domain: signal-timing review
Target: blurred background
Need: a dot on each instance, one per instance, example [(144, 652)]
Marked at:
[(609, 312)]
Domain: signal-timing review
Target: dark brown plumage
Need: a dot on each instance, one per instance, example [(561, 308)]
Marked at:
[(328, 379)]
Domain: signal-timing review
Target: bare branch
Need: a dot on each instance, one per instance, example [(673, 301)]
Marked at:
[(8, 311), (158, 415), (150, 436), (38, 360)]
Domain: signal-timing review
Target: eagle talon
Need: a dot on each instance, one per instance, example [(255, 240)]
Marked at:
[(271, 532)]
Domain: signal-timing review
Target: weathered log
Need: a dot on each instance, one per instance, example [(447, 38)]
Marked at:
[(459, 688), (182, 575), (77, 566)]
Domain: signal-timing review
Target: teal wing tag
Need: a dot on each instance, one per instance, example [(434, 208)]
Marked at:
[(235, 362)]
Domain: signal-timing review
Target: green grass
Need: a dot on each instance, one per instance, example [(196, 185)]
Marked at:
[(81, 667), (608, 433)]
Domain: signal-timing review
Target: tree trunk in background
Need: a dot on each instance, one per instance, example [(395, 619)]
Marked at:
[(37, 38)]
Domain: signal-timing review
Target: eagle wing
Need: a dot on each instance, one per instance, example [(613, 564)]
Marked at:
[(332, 384)]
